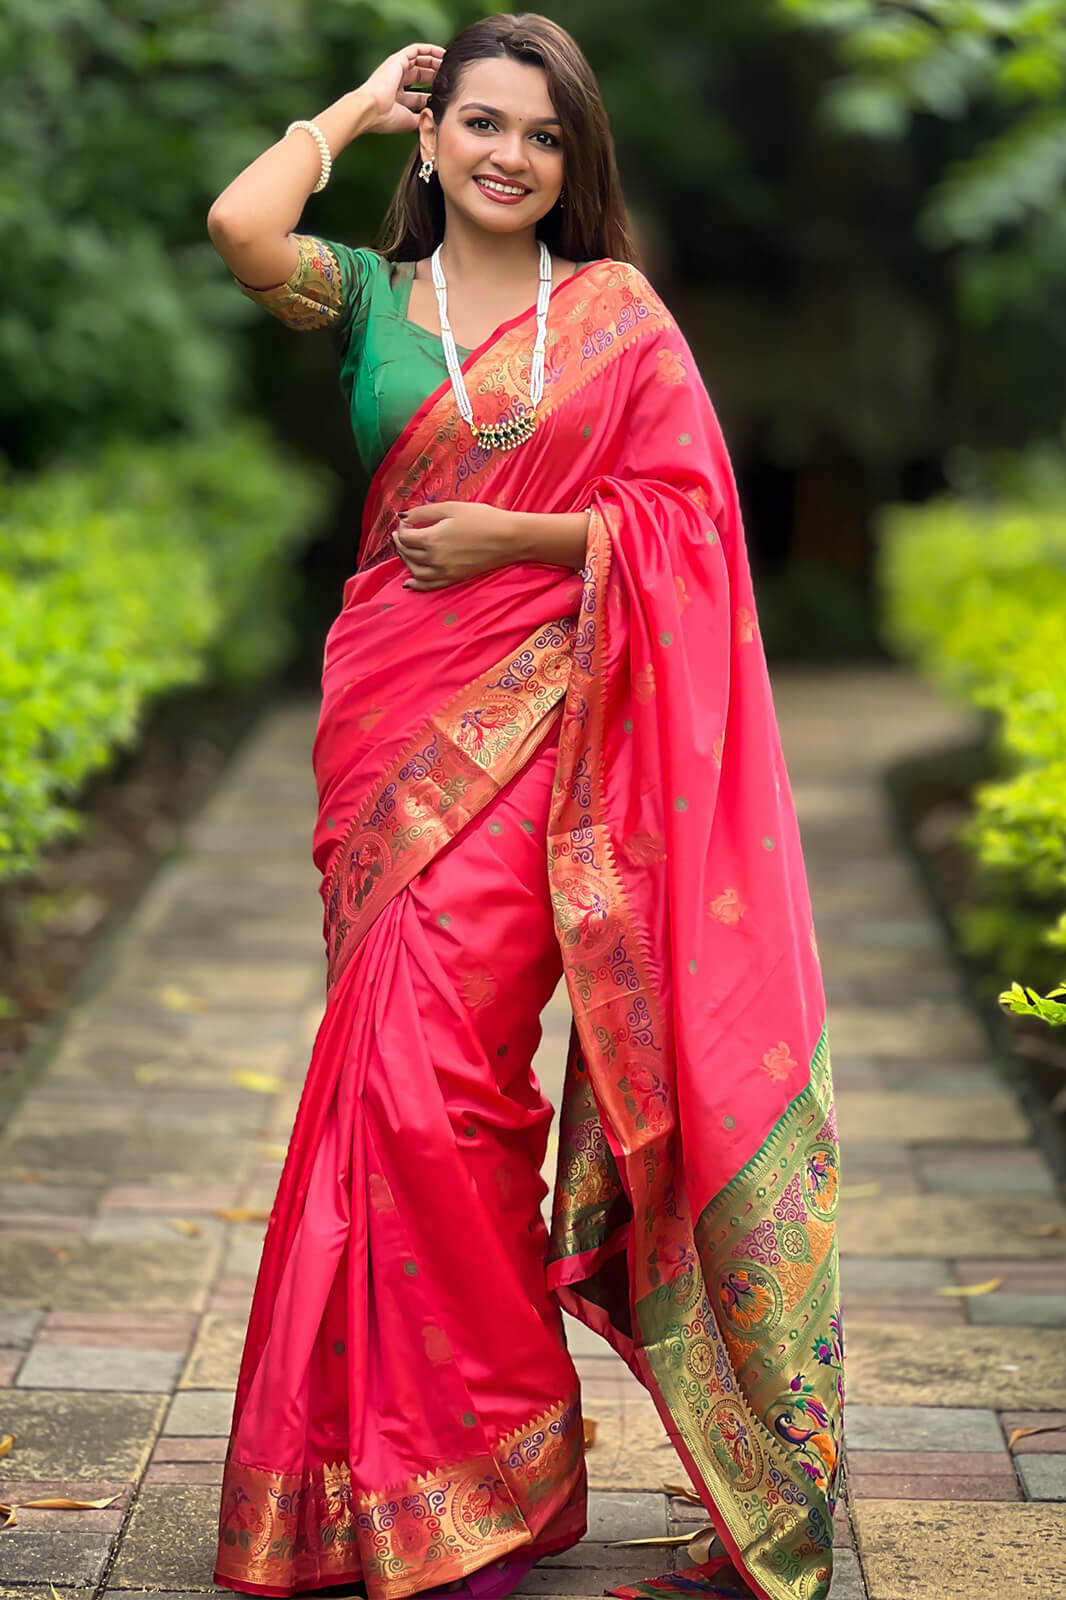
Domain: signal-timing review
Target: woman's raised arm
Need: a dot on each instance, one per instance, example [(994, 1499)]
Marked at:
[(252, 218)]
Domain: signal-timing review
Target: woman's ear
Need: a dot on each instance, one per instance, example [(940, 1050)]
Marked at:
[(427, 135)]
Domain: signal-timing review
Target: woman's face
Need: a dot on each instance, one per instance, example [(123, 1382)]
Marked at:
[(499, 125)]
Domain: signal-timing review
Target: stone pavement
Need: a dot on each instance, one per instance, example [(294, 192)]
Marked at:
[(165, 1104)]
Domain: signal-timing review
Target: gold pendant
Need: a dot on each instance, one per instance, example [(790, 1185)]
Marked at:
[(506, 435)]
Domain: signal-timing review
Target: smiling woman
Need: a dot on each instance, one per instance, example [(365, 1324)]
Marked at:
[(497, 183), (547, 746)]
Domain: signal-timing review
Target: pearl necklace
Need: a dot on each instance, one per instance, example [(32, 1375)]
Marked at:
[(505, 435)]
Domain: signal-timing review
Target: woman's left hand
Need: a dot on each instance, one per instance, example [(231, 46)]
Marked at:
[(445, 541)]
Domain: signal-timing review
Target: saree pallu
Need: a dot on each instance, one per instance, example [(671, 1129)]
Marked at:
[(529, 772)]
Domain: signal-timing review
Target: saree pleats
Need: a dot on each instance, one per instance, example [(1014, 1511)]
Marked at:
[(412, 1412)]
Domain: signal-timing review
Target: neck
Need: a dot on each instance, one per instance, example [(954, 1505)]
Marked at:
[(475, 256)]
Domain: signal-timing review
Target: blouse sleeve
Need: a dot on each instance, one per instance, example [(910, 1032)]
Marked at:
[(324, 288)]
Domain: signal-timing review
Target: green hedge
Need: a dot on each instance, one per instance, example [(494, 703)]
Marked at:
[(158, 566), (974, 590)]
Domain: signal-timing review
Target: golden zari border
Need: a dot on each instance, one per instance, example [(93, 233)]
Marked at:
[(772, 1474), (280, 1533), (590, 1204), (312, 296), (459, 759), (746, 1345)]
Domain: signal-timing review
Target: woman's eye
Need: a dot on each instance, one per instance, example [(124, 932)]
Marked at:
[(472, 122)]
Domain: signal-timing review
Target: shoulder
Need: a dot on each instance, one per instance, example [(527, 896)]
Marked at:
[(331, 261), (621, 274), (357, 262), (621, 280)]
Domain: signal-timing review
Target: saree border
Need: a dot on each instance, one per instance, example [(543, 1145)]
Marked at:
[(772, 1516), (458, 760), (768, 1438), (451, 1521)]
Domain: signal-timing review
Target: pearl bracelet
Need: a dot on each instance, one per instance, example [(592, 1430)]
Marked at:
[(323, 150)]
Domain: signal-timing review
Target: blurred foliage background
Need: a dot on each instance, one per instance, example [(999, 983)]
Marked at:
[(855, 208)]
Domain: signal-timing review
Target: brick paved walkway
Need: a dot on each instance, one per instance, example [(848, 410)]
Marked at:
[(125, 1292)]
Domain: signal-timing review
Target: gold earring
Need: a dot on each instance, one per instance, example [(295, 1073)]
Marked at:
[(562, 197), (425, 170)]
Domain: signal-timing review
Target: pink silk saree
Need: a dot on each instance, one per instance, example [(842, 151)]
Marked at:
[(532, 772)]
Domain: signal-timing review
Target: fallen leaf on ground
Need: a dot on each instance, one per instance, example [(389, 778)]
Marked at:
[(660, 1538), (241, 1214), (685, 1491), (261, 1082), (589, 1424), (150, 1072), (183, 1225), (63, 1504), (6, 1441), (55, 1592), (7, 1512), (1046, 1230), (859, 1191), (702, 1542), (1025, 1433), (175, 999), (970, 1288), (276, 1152), (699, 1540)]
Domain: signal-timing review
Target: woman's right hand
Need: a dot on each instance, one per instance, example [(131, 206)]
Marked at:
[(397, 108)]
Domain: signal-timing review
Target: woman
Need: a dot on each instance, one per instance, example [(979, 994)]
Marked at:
[(546, 744)]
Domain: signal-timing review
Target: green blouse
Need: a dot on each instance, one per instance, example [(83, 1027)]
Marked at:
[(388, 364)]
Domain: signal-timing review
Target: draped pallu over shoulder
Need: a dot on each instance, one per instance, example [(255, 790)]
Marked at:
[(694, 1209)]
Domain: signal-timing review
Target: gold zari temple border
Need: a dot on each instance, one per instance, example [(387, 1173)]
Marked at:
[(280, 1533)]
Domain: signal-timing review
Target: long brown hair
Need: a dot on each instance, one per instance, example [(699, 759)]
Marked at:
[(593, 222)]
